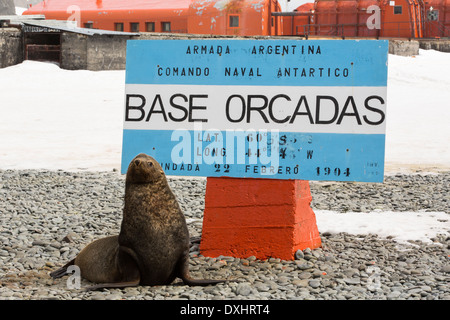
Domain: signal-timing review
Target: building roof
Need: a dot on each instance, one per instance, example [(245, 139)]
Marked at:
[(67, 26), (71, 27), (19, 19), (63, 5)]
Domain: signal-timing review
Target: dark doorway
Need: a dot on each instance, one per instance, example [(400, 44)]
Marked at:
[(42, 44)]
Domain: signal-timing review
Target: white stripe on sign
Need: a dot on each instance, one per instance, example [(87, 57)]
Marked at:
[(359, 110)]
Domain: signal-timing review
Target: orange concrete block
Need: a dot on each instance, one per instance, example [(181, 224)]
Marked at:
[(258, 217)]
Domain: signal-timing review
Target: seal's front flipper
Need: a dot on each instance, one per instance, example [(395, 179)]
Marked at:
[(61, 271)]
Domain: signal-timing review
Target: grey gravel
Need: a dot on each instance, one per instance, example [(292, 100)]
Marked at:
[(47, 217)]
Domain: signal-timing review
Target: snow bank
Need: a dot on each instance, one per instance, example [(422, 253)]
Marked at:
[(403, 226)]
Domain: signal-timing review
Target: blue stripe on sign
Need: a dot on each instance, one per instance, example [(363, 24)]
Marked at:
[(305, 156), (258, 62)]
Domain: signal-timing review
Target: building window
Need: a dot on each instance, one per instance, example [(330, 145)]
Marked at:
[(134, 26), (118, 26), (433, 15), (150, 26), (234, 21), (165, 26), (398, 10), (89, 25)]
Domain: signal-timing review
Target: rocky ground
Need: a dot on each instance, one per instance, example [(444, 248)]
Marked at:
[(47, 217)]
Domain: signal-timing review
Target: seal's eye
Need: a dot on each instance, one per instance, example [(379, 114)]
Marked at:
[(150, 164)]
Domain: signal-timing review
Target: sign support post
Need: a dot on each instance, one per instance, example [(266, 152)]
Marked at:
[(258, 217)]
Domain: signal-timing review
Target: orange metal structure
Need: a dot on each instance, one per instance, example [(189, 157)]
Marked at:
[(235, 17), (334, 18), (325, 17), (348, 18), (396, 18), (437, 17), (300, 21), (363, 15), (401, 18), (130, 16)]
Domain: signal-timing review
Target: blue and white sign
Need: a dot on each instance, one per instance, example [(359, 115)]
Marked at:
[(278, 109)]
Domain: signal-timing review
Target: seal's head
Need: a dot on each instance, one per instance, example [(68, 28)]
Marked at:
[(144, 169)]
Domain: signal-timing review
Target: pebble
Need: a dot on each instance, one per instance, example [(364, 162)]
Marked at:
[(299, 254), (47, 217), (314, 283), (305, 275), (352, 280), (446, 268), (243, 289)]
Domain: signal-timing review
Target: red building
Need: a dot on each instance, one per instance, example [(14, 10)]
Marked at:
[(387, 19), (324, 18), (236, 17)]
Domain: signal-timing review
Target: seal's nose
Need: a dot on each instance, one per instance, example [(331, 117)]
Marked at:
[(137, 162)]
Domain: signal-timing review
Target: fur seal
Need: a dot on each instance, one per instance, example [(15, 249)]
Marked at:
[(154, 227), (152, 247)]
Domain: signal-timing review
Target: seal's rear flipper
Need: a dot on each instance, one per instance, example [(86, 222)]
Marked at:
[(114, 285), (61, 271), (200, 282)]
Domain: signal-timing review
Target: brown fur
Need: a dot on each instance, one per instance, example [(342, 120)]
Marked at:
[(153, 245), (105, 262), (154, 226), (117, 265)]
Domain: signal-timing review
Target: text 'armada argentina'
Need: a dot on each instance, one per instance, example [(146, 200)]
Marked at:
[(257, 49)]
